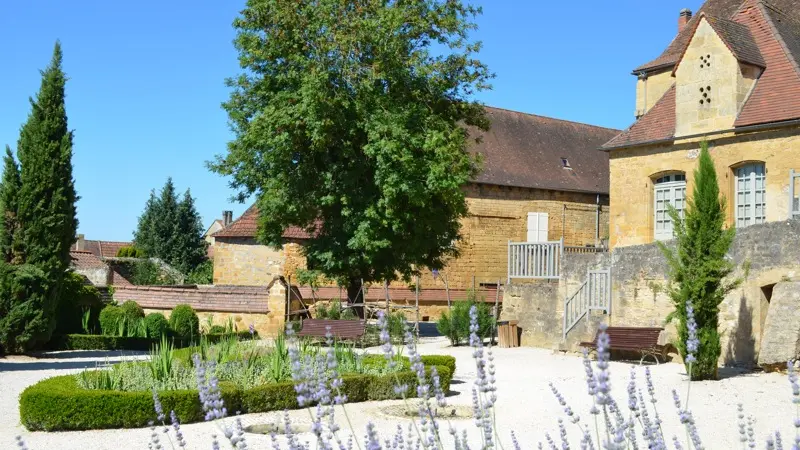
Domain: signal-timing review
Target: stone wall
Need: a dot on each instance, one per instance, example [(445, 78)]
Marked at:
[(633, 171), (497, 214), (763, 254), (650, 90), (98, 276), (264, 307)]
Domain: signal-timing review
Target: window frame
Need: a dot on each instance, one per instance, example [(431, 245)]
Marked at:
[(746, 214), (671, 183)]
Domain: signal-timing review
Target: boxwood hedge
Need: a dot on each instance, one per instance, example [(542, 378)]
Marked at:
[(58, 403), (102, 342)]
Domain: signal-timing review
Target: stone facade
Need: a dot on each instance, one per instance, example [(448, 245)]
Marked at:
[(763, 254), (633, 171), (650, 88), (497, 214), (781, 336)]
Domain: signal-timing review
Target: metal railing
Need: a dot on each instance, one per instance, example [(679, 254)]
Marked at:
[(535, 260), (593, 294), (578, 249), (794, 194)]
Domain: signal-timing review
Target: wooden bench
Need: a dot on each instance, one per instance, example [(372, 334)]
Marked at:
[(340, 329), (634, 339)]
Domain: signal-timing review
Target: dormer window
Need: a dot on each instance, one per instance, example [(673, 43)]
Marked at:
[(565, 164)]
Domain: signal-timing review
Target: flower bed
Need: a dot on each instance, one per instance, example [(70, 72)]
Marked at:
[(58, 403)]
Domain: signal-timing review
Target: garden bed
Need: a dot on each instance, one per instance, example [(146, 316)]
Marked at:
[(58, 403)]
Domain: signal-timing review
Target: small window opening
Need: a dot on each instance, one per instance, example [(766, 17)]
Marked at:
[(565, 164)]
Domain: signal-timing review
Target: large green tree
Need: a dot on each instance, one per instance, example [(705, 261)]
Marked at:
[(47, 217), (9, 208), (172, 230), (698, 268), (350, 124)]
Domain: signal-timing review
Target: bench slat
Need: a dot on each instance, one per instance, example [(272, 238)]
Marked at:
[(342, 329)]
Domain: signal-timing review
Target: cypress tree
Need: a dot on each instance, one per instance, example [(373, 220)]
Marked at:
[(47, 216), (165, 223), (190, 247), (9, 207), (698, 267)]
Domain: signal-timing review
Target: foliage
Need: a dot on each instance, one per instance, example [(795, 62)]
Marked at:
[(698, 266), (455, 323), (110, 317), (132, 311), (157, 325), (25, 314), (334, 311), (10, 238), (361, 136), (103, 342), (184, 322), (146, 272), (42, 227), (202, 274), (171, 230), (59, 403), (78, 299), (130, 252)]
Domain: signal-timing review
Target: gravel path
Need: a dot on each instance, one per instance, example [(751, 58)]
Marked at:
[(525, 403)]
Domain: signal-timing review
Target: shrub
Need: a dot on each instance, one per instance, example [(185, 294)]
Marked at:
[(132, 311), (440, 360), (157, 325), (59, 404), (455, 323), (184, 322), (98, 342), (202, 274), (130, 252), (110, 317), (216, 329), (77, 297)]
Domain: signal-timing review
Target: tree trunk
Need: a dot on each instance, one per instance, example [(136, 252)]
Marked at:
[(355, 297)]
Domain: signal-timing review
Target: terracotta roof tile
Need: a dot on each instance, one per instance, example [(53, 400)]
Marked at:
[(103, 249), (657, 124), (776, 95), (85, 260), (526, 150), (247, 225), (716, 8), (739, 40)]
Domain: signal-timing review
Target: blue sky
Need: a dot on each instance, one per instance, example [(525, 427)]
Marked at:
[(147, 80)]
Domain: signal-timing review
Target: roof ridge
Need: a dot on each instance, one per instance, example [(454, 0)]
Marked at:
[(552, 118)]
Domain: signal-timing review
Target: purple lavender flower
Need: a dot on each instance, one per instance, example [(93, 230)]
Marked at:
[(157, 407), (603, 356), (176, 426), (252, 330), (208, 388), (20, 443), (692, 343), (386, 342)]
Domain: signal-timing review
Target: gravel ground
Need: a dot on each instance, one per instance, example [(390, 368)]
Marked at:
[(525, 403)]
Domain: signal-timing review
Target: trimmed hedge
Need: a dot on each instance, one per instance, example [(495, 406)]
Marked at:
[(58, 403), (184, 322), (157, 325), (440, 360), (101, 342)]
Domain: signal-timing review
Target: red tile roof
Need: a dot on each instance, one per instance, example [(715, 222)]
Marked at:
[(772, 41), (776, 96), (103, 249), (657, 125), (247, 225), (85, 260)]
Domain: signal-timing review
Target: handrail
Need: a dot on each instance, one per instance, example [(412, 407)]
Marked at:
[(535, 260)]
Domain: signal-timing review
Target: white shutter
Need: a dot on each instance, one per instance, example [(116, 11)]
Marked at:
[(537, 227)]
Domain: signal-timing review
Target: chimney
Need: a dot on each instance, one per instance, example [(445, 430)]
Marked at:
[(683, 18), (227, 218), (80, 243)]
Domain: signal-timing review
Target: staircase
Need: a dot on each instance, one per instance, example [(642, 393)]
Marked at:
[(593, 294)]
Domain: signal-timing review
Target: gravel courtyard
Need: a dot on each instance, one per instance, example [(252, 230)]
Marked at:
[(525, 403)]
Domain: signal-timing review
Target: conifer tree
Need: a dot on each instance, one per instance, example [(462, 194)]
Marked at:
[(9, 208), (144, 236), (190, 247), (698, 269), (47, 217)]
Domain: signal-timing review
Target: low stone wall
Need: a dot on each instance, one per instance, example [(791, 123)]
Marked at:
[(262, 306), (763, 254)]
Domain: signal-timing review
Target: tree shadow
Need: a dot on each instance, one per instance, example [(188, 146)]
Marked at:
[(741, 342), (24, 366), (75, 354)]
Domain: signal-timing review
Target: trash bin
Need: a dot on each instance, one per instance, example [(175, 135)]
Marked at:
[(508, 333)]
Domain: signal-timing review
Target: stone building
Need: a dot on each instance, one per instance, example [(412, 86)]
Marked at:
[(731, 78), (542, 179)]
